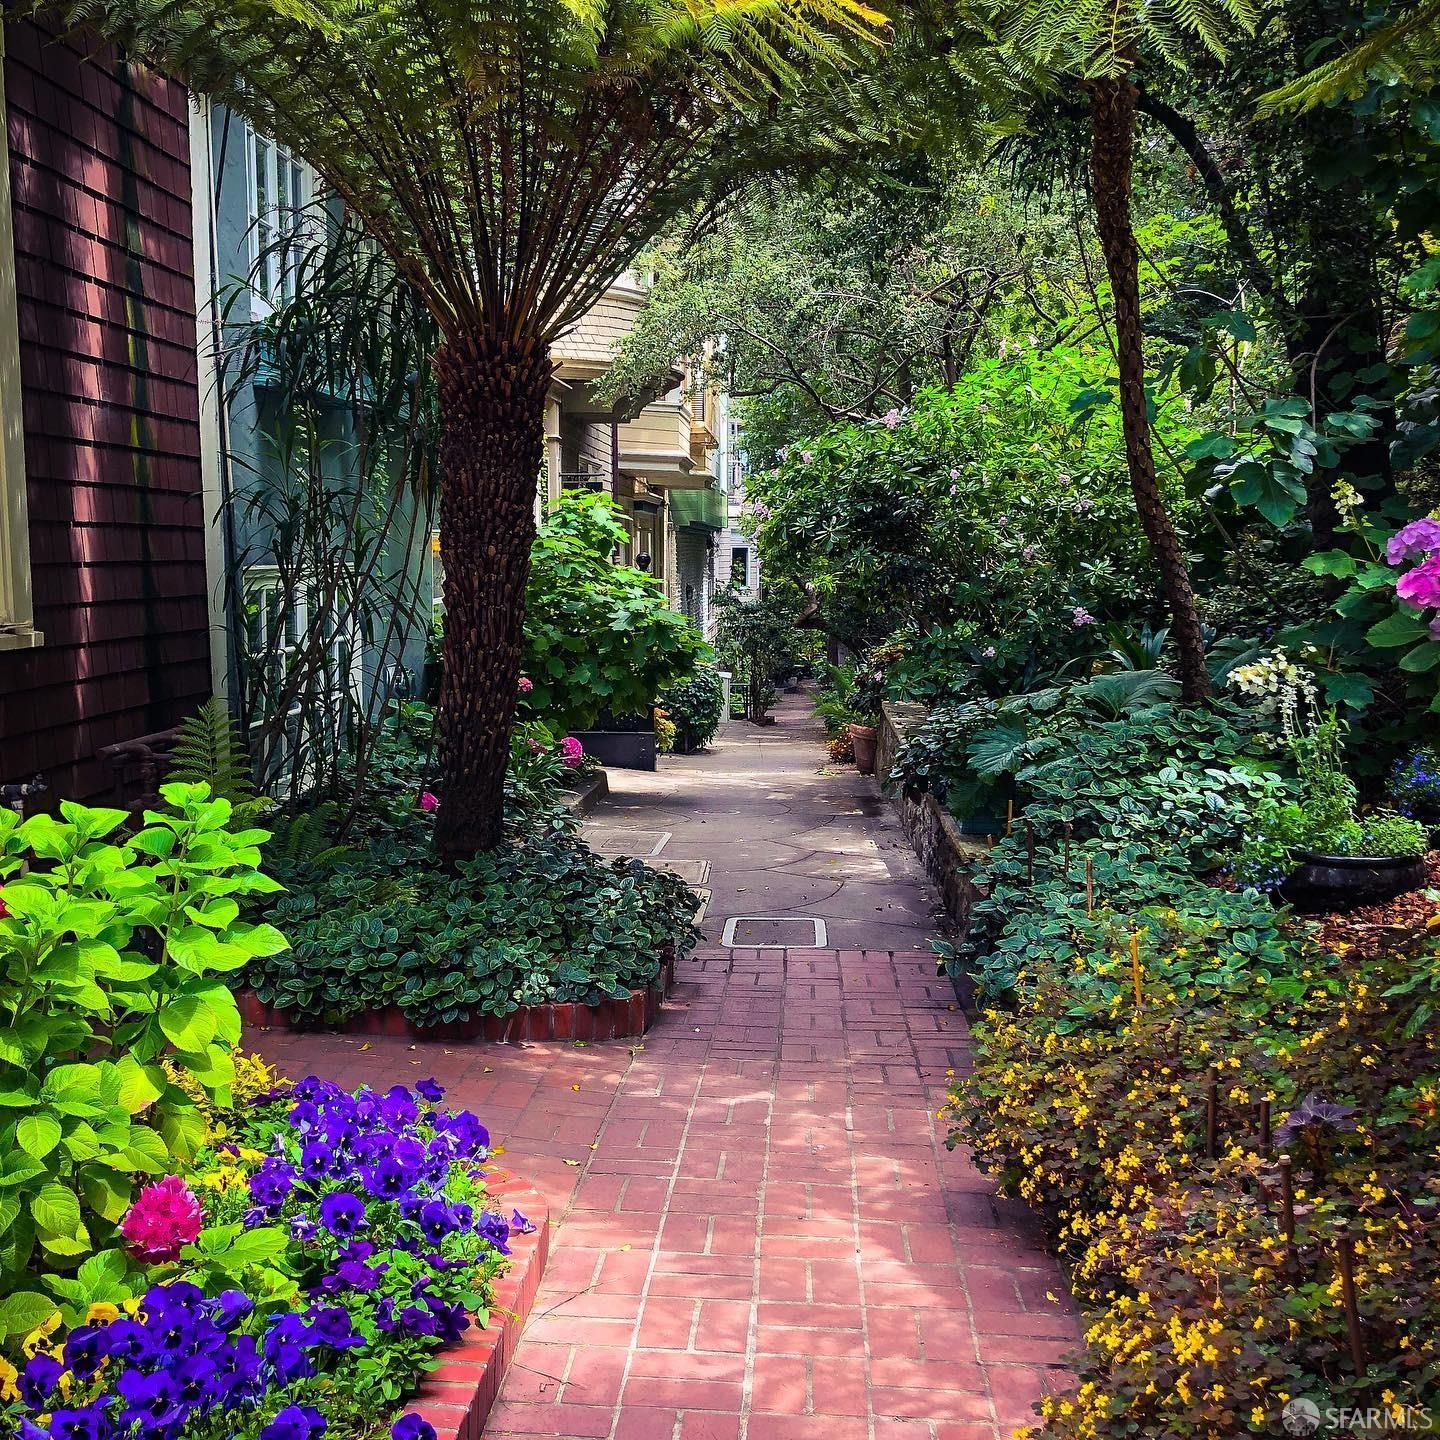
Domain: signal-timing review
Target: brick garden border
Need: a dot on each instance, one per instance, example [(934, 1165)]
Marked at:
[(609, 1020), (456, 1397)]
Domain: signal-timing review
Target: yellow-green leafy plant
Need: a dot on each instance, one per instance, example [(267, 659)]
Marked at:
[(113, 946)]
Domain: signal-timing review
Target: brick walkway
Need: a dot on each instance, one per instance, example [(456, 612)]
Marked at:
[(761, 1234)]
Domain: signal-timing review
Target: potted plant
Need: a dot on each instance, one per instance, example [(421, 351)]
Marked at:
[(1316, 852)]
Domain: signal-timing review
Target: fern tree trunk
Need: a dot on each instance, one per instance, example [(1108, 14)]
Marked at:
[(492, 393), (1112, 154)]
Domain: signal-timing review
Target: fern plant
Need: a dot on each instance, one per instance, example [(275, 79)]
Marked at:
[(208, 751)]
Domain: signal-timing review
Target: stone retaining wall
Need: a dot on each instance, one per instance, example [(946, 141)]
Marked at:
[(948, 856)]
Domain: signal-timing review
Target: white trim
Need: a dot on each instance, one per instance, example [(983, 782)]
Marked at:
[(213, 414), (288, 219), (728, 939), (17, 600)]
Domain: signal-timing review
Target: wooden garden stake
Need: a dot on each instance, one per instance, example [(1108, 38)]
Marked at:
[(1346, 1246), (1135, 967), (1009, 818), (1029, 853), (1212, 1109), (1265, 1128), (1068, 829), (1089, 888), (1287, 1203)]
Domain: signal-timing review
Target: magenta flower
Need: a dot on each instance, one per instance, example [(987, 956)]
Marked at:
[(1419, 537), (164, 1217), (1421, 586), (525, 685), (572, 752), (429, 802)]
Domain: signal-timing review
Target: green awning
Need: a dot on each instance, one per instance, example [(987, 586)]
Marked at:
[(698, 509)]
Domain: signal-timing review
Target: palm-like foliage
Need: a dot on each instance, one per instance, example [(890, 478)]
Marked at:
[(510, 157), (1405, 47)]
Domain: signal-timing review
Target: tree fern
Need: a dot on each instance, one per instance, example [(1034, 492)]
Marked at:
[(208, 751)]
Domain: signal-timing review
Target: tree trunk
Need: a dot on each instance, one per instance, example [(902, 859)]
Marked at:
[(1112, 121), (492, 394)]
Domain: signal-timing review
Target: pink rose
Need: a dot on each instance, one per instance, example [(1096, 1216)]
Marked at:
[(429, 803), (164, 1217), (525, 685), (572, 752), (1421, 586)]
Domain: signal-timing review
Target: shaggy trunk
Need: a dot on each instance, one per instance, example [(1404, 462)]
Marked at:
[(1112, 121), (492, 406)]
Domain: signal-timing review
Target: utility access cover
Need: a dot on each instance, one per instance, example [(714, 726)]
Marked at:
[(610, 840), (774, 932)]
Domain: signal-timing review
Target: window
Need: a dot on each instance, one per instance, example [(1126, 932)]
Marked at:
[(281, 186), (740, 566), (17, 615)]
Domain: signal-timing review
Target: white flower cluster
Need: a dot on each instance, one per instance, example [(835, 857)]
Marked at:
[(1275, 682)]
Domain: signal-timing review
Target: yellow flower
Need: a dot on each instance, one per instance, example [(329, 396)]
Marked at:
[(8, 1376), (101, 1312), (36, 1338)]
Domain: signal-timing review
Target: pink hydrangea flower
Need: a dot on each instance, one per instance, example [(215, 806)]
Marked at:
[(1421, 586), (525, 685), (164, 1217), (572, 752), (807, 456), (4, 909), (890, 419), (429, 802), (1419, 537)]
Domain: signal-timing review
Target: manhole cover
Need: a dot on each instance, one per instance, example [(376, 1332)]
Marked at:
[(774, 932), (692, 872), (641, 843)]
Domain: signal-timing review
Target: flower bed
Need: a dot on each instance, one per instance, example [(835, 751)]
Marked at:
[(1145, 1062), (301, 1277), (561, 1020)]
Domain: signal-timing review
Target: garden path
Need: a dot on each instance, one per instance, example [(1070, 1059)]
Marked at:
[(760, 1234)]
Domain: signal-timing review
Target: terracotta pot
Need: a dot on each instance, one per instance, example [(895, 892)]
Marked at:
[(1344, 882), (862, 742)]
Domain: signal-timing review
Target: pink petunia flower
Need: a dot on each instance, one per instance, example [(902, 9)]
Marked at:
[(572, 752), (164, 1217), (429, 802), (1421, 586), (1419, 537)]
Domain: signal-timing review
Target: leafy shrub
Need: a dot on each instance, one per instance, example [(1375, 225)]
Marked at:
[(539, 919), (112, 946), (598, 636), (695, 706)]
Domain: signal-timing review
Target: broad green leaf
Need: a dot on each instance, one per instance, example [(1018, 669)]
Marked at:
[(188, 1023), (38, 1134), (57, 1211), (24, 1311)]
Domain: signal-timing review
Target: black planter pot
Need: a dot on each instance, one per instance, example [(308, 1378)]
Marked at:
[(1345, 882)]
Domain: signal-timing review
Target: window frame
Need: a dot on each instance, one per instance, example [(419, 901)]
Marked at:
[(736, 551), (17, 600), (260, 150)]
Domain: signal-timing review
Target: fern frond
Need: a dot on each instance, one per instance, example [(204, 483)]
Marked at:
[(208, 751), (1406, 48)]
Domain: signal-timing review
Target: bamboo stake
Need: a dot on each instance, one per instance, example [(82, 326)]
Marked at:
[(1212, 1108), (1089, 888), (1135, 968), (1068, 828), (1287, 1204), (1009, 818), (1029, 853), (1265, 1128), (1346, 1245)]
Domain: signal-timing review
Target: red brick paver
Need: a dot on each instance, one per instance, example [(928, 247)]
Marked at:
[(759, 1231)]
